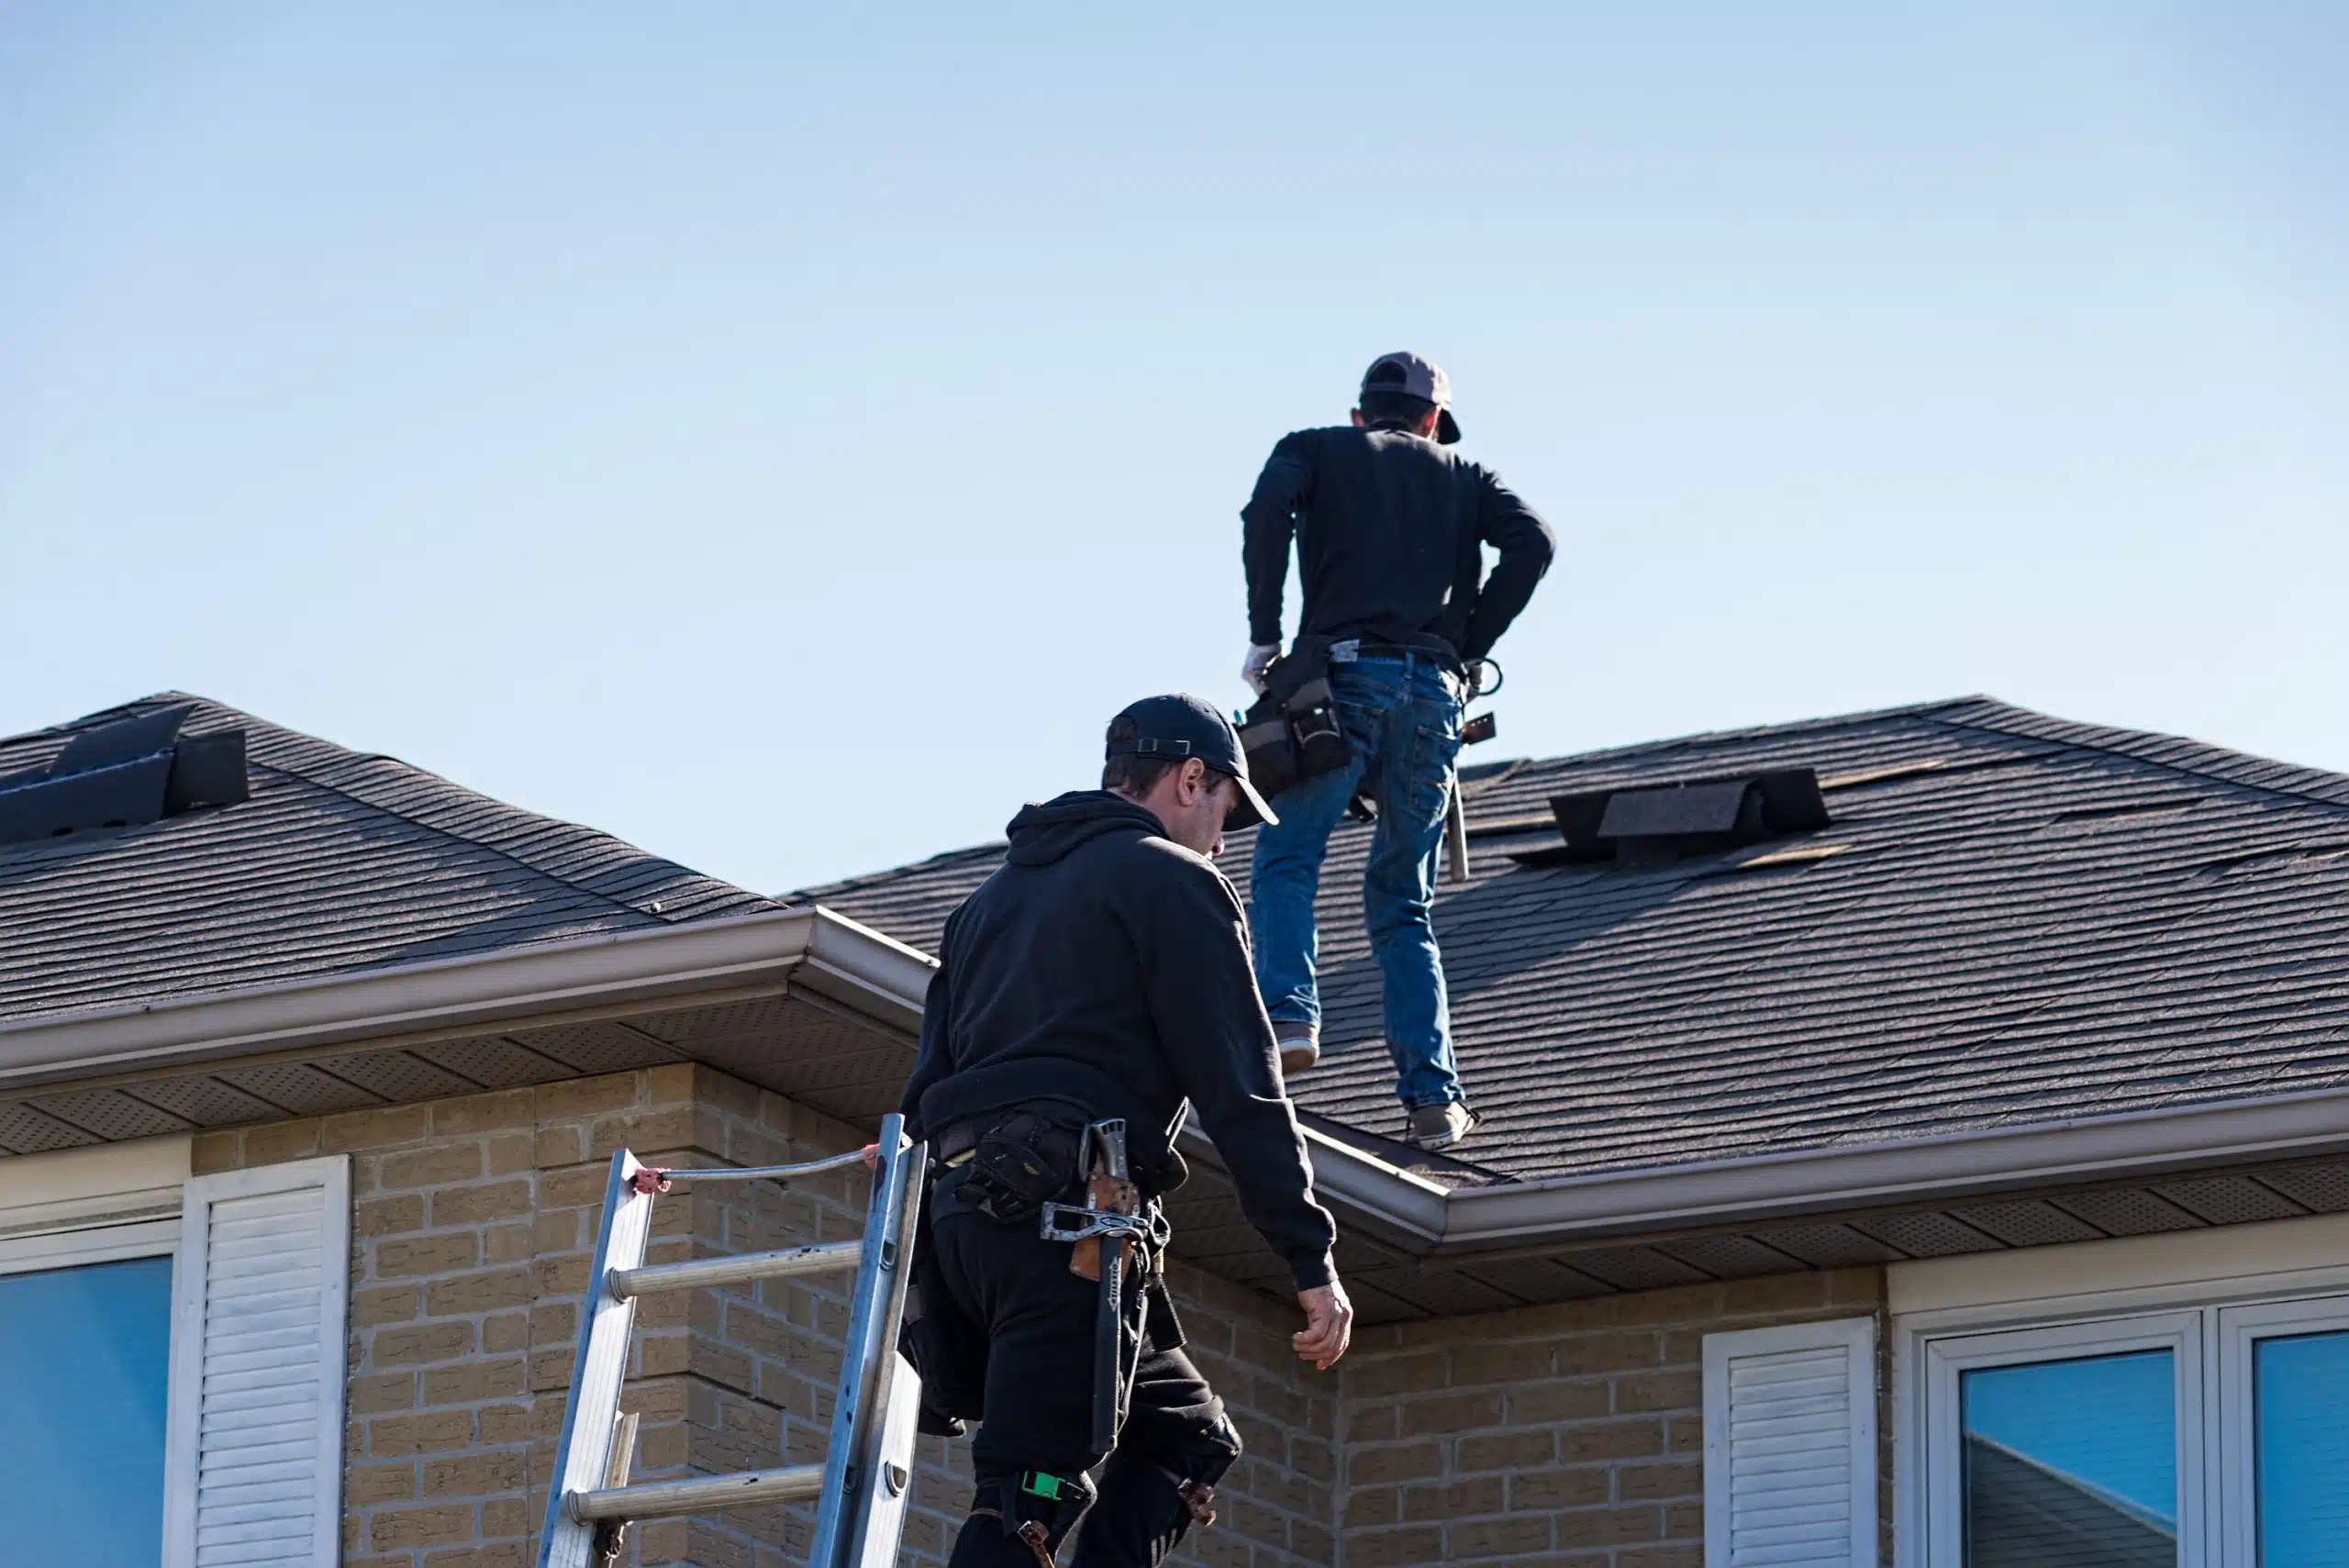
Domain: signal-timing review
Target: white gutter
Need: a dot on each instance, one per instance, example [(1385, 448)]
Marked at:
[(1718, 1193), (854, 965)]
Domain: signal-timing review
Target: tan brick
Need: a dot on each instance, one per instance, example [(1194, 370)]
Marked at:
[(282, 1141), (477, 1206), (1457, 1500), (473, 1474), (559, 1146), (512, 1423), (1394, 1548), (510, 1243), (1662, 1482), (431, 1166), (420, 1343), (211, 1151), (1659, 1391), (469, 1383), (496, 1554), (511, 1153), (384, 1128), (1475, 1365), (1558, 1402), (506, 1331), (1611, 1440), (1512, 1538), (1453, 1413), (1691, 1555), (1582, 1487), (1609, 1527), (1505, 1450), (1369, 1466), (486, 1291), (433, 1526), (506, 1517), (1371, 1506), (404, 1257), (434, 1432), (483, 1113), (373, 1307), (645, 1132), (672, 1082), (388, 1216), (383, 1392), (574, 1186), (364, 1485), (581, 1097), (1684, 1520), (1399, 1374)]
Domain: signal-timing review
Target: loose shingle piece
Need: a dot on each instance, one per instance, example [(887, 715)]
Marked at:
[(2010, 919), (336, 862)]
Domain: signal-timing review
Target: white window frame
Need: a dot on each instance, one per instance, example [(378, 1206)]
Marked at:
[(2235, 1284), (1948, 1359)]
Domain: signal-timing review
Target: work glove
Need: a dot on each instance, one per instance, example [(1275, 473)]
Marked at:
[(1260, 659)]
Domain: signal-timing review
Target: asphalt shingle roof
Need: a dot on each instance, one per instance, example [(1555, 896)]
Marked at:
[(2022, 920), (340, 861)]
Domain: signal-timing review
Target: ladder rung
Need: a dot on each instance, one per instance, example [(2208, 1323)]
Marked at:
[(666, 1500), (700, 1271)]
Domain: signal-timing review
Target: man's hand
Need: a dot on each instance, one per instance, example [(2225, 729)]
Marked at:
[(1329, 1325), (1260, 658)]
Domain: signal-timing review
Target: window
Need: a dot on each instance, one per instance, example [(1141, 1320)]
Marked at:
[(2212, 1437), (84, 1379), (172, 1376)]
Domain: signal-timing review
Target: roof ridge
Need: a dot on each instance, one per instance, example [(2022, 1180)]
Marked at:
[(872, 878), (211, 709), (2177, 754)]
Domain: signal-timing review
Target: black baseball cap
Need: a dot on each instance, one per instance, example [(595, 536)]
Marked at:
[(1407, 373), (1177, 725)]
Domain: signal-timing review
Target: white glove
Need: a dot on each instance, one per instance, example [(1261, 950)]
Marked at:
[(1260, 658)]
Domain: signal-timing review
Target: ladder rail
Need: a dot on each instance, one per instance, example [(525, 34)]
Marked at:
[(870, 1347), (599, 1367)]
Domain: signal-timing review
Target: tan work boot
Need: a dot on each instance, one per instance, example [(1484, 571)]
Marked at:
[(1298, 1052), (1440, 1126)]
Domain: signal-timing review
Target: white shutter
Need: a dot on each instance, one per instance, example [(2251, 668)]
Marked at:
[(253, 1445), (1790, 1446)]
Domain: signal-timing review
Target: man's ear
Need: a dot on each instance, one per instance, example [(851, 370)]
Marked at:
[(1357, 418), (1195, 774)]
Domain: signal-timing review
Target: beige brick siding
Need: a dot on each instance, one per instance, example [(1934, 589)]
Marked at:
[(474, 1222), (1565, 1434)]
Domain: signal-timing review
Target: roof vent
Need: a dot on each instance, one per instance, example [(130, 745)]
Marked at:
[(1652, 824), (123, 774)]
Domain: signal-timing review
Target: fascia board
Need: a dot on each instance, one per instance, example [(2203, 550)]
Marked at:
[(1729, 1191), (861, 968), (1392, 1202), (483, 990)]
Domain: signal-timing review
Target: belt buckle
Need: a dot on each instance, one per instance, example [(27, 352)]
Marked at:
[(1345, 652)]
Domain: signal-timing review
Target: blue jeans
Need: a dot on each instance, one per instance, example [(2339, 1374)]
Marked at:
[(1401, 716)]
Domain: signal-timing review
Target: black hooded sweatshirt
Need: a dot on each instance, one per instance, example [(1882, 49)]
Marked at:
[(1105, 966)]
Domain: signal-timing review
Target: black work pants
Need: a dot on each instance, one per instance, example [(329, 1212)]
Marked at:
[(1037, 1320)]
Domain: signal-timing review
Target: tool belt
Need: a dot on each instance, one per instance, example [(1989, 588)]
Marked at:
[(1293, 734), (1012, 1164)]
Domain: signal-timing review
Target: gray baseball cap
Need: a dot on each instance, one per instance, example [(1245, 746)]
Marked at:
[(1424, 378)]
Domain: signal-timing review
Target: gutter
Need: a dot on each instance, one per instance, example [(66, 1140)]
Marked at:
[(849, 963)]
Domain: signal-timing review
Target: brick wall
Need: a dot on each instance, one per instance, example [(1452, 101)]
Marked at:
[(1565, 1434), (474, 1222)]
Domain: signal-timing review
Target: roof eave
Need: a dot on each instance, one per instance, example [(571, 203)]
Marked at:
[(829, 954)]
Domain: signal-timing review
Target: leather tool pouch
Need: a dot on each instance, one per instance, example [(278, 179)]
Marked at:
[(1293, 734), (1025, 1159), (1110, 1196)]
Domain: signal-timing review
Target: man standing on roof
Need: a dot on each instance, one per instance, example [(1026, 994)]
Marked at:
[(1388, 524), (1102, 972)]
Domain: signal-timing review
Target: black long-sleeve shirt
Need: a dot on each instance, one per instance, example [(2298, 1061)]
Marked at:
[(1105, 966), (1387, 527)]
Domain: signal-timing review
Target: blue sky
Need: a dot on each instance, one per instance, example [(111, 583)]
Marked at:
[(783, 439)]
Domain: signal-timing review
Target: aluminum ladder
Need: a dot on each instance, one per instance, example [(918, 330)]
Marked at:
[(859, 1489)]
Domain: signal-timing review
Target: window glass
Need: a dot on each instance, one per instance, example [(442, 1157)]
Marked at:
[(2300, 1398), (2071, 1463), (83, 1371)]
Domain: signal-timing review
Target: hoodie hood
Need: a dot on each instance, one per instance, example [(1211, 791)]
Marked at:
[(1042, 834)]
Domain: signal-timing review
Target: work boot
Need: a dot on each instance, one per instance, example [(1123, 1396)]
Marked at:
[(1439, 1126), (1299, 1050)]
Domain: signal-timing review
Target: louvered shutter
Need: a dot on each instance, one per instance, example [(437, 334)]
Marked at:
[(254, 1449), (1790, 1446)]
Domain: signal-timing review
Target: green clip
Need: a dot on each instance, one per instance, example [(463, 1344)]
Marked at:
[(1036, 1484)]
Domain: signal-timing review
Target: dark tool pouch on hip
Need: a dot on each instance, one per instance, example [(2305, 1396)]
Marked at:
[(1293, 734), (1027, 1157)]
